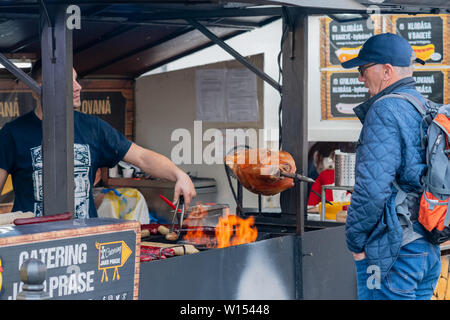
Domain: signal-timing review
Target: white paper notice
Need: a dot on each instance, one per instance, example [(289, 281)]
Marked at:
[(226, 95), (242, 100), (210, 90)]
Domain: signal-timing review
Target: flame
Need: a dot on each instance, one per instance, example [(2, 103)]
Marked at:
[(231, 230), (196, 235)]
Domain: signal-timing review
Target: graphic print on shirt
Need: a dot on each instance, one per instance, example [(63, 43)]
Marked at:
[(81, 163)]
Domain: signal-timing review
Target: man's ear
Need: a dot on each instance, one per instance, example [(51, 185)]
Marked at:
[(388, 71)]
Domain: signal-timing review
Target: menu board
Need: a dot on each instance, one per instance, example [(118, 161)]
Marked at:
[(427, 35), (430, 83), (341, 90), (108, 106), (341, 42), (343, 93), (85, 259)]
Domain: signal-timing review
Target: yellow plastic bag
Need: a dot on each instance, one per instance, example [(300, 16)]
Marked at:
[(124, 203), (8, 186)]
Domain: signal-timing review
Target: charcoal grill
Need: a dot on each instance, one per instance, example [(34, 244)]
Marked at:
[(273, 267)]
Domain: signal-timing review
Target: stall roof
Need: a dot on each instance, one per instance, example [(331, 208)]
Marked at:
[(129, 38)]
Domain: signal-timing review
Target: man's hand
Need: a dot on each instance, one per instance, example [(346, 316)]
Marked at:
[(184, 186), (161, 167), (359, 256)]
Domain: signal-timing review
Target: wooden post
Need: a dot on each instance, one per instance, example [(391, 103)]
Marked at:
[(294, 109), (57, 106)]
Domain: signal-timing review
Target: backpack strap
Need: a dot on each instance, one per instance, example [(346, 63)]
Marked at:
[(420, 107), (447, 215), (415, 102)]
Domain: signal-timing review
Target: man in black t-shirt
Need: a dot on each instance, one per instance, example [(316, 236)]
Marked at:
[(96, 145)]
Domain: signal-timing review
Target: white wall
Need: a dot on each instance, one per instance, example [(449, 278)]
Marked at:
[(166, 106), (263, 40)]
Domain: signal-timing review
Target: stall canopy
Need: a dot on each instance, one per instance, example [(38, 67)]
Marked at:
[(129, 38)]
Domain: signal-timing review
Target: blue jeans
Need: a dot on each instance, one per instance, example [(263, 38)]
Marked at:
[(413, 276)]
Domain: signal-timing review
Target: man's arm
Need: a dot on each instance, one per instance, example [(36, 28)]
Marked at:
[(3, 177), (378, 159), (160, 166)]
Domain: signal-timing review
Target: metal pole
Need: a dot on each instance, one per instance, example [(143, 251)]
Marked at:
[(323, 203), (235, 54), (240, 196), (22, 76), (294, 109), (57, 105)]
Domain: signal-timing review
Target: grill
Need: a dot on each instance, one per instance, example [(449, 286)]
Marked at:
[(273, 267)]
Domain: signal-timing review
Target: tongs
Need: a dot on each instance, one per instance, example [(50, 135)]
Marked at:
[(181, 212)]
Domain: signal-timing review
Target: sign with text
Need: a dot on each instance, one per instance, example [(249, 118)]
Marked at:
[(109, 106), (341, 41), (14, 104), (343, 92), (93, 266), (112, 255), (427, 35), (430, 83)]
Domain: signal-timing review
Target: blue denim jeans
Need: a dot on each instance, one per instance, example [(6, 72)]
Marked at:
[(413, 276)]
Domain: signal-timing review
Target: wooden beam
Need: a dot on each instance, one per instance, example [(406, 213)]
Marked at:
[(57, 105), (294, 108)]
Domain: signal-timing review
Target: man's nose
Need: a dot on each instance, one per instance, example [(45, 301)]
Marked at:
[(361, 78), (76, 86)]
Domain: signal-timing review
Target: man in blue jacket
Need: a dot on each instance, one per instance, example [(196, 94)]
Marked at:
[(392, 256)]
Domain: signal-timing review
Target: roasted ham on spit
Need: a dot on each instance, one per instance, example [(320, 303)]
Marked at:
[(263, 171)]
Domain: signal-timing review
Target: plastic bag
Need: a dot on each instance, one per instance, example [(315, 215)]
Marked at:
[(124, 203)]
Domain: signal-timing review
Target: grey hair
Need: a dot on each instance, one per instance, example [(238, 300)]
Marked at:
[(407, 71)]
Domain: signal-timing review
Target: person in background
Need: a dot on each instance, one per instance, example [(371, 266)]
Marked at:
[(319, 159), (326, 176), (96, 145)]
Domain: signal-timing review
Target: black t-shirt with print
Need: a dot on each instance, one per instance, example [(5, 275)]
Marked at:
[(96, 145)]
